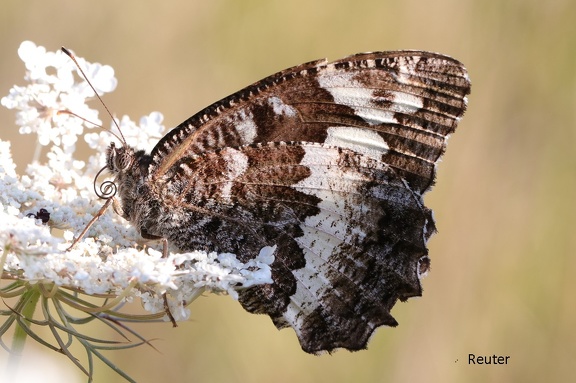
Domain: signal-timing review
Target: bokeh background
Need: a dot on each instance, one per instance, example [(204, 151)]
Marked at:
[(503, 262)]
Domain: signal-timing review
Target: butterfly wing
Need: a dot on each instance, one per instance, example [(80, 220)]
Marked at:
[(327, 161), (398, 107), (350, 234)]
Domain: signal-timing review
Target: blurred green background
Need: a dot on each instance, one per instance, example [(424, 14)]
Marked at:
[(503, 262)]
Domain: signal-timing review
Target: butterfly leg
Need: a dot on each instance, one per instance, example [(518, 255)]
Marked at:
[(165, 296), (102, 210)]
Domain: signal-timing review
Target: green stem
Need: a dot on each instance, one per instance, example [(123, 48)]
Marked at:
[(24, 308)]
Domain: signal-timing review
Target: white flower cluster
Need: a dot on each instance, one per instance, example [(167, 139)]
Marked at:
[(52, 88), (109, 258)]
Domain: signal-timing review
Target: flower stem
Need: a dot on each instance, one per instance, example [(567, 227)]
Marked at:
[(25, 309)]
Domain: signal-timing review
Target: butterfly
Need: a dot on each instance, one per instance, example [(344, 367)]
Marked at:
[(326, 161)]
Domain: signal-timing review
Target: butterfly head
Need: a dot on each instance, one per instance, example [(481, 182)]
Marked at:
[(119, 160), (128, 168)]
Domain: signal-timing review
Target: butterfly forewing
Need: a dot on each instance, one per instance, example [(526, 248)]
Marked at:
[(398, 106), (326, 161)]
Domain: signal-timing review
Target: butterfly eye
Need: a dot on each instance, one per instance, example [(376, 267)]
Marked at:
[(122, 160)]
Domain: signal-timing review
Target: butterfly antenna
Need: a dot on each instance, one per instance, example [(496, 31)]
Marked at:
[(73, 58), (120, 138)]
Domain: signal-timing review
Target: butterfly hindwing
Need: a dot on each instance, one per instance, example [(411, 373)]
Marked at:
[(350, 233)]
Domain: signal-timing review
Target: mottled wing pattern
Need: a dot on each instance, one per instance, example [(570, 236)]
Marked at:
[(350, 234), (395, 106), (327, 161)]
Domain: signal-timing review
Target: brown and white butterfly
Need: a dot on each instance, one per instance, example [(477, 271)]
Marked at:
[(326, 161)]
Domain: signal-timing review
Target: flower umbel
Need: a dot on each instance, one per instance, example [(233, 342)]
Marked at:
[(44, 285)]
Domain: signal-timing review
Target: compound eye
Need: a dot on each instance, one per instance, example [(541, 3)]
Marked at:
[(122, 160)]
